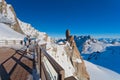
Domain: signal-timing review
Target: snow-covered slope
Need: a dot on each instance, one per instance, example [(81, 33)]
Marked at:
[(80, 40), (87, 44), (93, 46), (104, 53), (109, 40), (6, 33), (100, 73), (8, 22), (109, 58)]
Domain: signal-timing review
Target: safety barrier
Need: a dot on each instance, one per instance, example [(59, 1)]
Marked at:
[(49, 68), (10, 43)]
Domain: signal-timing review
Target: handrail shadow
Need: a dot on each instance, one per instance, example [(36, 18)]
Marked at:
[(6, 75)]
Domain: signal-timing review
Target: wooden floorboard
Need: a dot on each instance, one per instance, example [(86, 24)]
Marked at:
[(14, 66)]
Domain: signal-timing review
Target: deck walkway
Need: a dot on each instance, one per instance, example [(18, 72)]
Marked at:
[(14, 65), (17, 65)]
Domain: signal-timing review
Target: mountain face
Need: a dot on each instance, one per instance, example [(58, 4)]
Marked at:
[(65, 52), (8, 16), (80, 40), (103, 53), (67, 55), (76, 59)]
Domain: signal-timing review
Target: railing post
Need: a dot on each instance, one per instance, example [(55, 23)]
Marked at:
[(6, 42), (14, 42)]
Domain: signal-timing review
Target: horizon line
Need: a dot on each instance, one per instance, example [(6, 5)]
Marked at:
[(92, 35)]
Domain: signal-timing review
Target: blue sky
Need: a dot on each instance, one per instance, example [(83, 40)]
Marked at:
[(96, 17)]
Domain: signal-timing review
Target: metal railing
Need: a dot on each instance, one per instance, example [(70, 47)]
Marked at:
[(49, 68)]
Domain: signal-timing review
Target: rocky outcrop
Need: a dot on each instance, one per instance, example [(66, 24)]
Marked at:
[(67, 34), (3, 7), (76, 59), (16, 26), (8, 16)]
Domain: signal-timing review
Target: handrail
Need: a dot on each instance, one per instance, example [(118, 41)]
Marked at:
[(42, 57), (8, 42), (55, 65), (44, 74)]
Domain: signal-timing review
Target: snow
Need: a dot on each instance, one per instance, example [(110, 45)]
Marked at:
[(103, 53), (6, 33), (98, 46), (90, 47), (10, 13), (59, 54), (7, 16), (109, 58), (100, 73), (29, 30), (61, 43), (103, 56), (77, 60), (50, 69)]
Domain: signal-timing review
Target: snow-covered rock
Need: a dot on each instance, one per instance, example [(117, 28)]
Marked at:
[(90, 47), (7, 15), (59, 53)]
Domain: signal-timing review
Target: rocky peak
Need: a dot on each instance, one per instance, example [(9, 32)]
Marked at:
[(76, 59), (8, 16), (67, 34)]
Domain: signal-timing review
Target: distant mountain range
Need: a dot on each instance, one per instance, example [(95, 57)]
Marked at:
[(104, 52)]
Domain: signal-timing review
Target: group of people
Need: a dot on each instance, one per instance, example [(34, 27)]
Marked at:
[(27, 42)]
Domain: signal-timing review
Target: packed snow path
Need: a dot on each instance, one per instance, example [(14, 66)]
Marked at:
[(14, 65)]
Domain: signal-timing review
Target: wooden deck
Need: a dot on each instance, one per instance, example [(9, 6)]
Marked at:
[(14, 65), (70, 78), (17, 65)]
